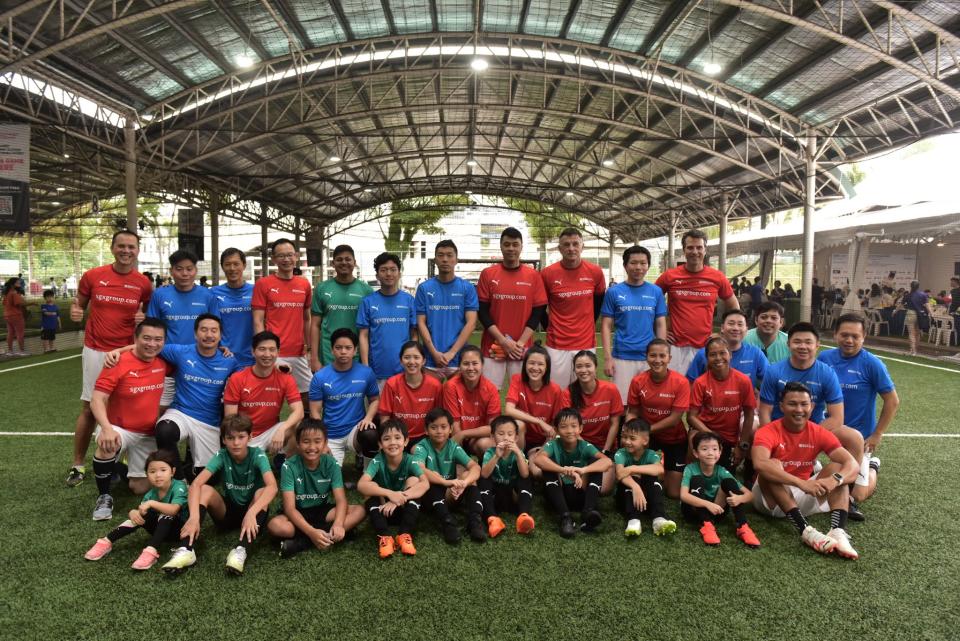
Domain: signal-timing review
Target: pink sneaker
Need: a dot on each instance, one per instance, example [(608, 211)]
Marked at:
[(147, 559), (99, 550)]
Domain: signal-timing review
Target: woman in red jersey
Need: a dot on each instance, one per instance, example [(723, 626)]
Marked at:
[(410, 394)]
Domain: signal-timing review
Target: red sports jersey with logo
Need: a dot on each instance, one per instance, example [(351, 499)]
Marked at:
[(796, 451), (260, 398), (283, 302), (472, 408), (598, 408), (114, 301), (570, 295), (722, 402), (544, 404), (512, 294), (135, 388), (691, 302), (399, 400), (656, 401)]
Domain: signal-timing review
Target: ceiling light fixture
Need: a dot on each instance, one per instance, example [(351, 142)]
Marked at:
[(479, 64), (66, 155), (335, 158), (608, 163), (61, 188), (940, 244), (569, 193), (471, 163), (243, 61), (712, 68)]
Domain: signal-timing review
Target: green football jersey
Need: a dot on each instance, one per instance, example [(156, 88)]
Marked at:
[(389, 479), (338, 305), (582, 455), (623, 457), (712, 482), (311, 488), (176, 495), (240, 480), (506, 471), (443, 462)]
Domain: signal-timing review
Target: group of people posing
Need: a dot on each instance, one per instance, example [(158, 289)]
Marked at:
[(392, 378)]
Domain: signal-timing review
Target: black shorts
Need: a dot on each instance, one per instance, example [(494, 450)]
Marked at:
[(674, 455), (316, 516), (233, 517), (48, 334)]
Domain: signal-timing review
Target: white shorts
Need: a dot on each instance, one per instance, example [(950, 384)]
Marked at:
[(623, 373), (92, 363), (443, 373), (495, 370), (681, 357), (263, 440), (561, 365), (137, 447), (169, 391), (204, 439), (299, 369), (340, 446), (806, 503), (381, 382)]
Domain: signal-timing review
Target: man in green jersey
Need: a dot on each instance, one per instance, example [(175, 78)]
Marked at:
[(767, 334), (335, 303)]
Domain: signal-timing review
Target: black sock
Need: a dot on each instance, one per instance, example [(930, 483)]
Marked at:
[(525, 495), (552, 488), (591, 491), (409, 516), (653, 490), (103, 472), (435, 501), (797, 519), (161, 529), (185, 542), (377, 520), (838, 519), (472, 502), (121, 531), (261, 522), (730, 486), (486, 491)]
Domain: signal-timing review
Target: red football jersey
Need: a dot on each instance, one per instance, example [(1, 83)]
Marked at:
[(543, 404), (135, 388), (570, 294), (691, 302), (796, 451), (115, 299), (471, 408), (397, 399), (512, 294), (721, 403), (260, 398), (598, 408), (283, 302), (656, 401)]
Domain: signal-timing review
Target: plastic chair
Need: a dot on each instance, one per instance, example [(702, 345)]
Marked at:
[(875, 321)]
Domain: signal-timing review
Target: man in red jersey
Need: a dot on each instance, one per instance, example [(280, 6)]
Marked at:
[(258, 392), (692, 290), (117, 295), (575, 289), (281, 304), (784, 454), (125, 404), (512, 301)]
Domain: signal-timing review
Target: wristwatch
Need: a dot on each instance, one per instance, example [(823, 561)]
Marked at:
[(744, 446), (838, 478)]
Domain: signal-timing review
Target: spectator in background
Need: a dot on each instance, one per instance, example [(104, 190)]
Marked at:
[(816, 301), (955, 295), (49, 321), (756, 294), (71, 283), (890, 280), (52, 286), (14, 308), (788, 291), (916, 303), (777, 293), (875, 299), (886, 297)]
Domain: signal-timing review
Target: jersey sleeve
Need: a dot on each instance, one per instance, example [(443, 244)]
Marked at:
[(179, 495), (697, 393), (697, 366), (83, 288), (231, 393), (607, 310), (109, 378), (387, 399), (687, 475), (826, 440), (765, 438), (539, 297), (768, 389), (261, 462), (682, 400), (649, 457), (616, 402), (493, 404), (488, 455), (317, 307), (290, 390), (633, 393), (550, 449), (153, 304), (316, 387), (286, 477), (483, 287), (363, 314), (763, 363), (336, 476), (373, 390), (470, 301), (747, 396), (420, 453), (413, 470), (412, 316), (420, 300), (372, 468), (663, 282), (589, 449), (460, 456), (171, 353), (215, 464), (450, 400), (661, 307), (725, 290), (621, 457), (832, 393), (599, 282), (259, 298), (880, 377), (724, 473), (513, 391)]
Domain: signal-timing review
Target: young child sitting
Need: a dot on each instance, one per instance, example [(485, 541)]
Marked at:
[(160, 513), (637, 470), (248, 487), (572, 473), (439, 456), (315, 508), (392, 482), (505, 482), (708, 491)]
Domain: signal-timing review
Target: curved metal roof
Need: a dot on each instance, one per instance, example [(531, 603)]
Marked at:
[(621, 110)]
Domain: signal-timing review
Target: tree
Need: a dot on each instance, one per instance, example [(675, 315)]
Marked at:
[(544, 223), (410, 216)]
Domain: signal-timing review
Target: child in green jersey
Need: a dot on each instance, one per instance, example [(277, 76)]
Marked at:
[(638, 490), (572, 473), (452, 475), (708, 491), (248, 486), (392, 484), (315, 508), (505, 482), (160, 513)]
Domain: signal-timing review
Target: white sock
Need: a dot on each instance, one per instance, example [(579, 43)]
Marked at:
[(863, 476)]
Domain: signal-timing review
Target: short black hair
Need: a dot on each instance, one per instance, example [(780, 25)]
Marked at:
[(438, 413), (393, 423), (120, 232), (636, 249), (733, 312), (565, 413), (343, 249), (715, 339), (150, 321), (693, 233), (181, 255), (232, 251), (281, 241), (265, 335), (803, 326), (853, 317), (344, 332), (207, 316), (308, 425), (768, 306), (701, 437), (48, 292), (636, 425), (163, 456), (504, 420), (658, 341), (446, 243), (511, 232), (795, 386), (235, 423), (387, 257)]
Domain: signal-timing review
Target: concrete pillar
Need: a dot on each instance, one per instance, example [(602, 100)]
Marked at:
[(613, 251), (809, 200), (264, 242), (857, 259), (724, 209), (670, 240), (214, 238), (130, 174)]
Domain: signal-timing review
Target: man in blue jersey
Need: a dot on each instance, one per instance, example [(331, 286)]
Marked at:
[(386, 319), (178, 306), (446, 311), (862, 377), (337, 395), (820, 379), (746, 359), (633, 313), (233, 304)]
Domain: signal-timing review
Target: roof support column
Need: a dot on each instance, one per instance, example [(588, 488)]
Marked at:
[(130, 174), (724, 208), (809, 200), (264, 247), (613, 251), (670, 240), (214, 238)]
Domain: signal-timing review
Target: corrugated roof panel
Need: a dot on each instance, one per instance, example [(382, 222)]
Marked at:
[(502, 15), (318, 20), (366, 18), (591, 20), (636, 24), (545, 18), (455, 15), (411, 16)]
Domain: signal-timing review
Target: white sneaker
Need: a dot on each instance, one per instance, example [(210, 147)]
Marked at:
[(236, 560), (634, 527), (181, 560), (662, 526), (842, 541), (817, 540)]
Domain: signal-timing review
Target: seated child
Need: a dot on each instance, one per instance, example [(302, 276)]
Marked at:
[(248, 487), (708, 491), (572, 473), (505, 482), (160, 513), (392, 482), (638, 490), (439, 456), (315, 508)]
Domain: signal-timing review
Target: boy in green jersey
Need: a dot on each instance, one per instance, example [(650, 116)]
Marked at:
[(392, 484), (708, 491), (334, 305), (248, 486), (572, 473), (439, 457), (505, 482), (638, 490), (160, 513), (315, 508)]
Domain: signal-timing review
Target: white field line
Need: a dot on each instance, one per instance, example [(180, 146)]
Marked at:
[(56, 360)]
